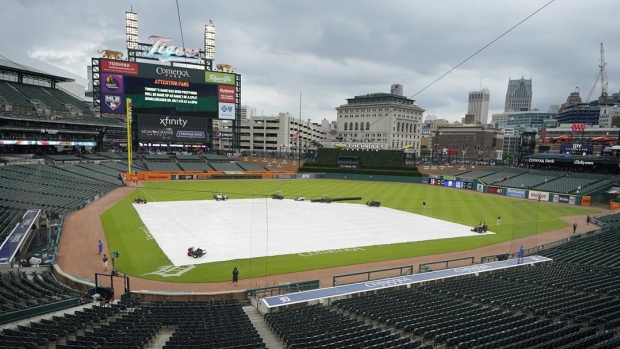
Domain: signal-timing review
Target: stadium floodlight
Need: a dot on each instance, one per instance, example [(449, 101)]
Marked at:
[(210, 41), (131, 29)]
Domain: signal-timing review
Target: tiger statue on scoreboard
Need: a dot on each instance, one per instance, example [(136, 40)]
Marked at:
[(225, 68), (111, 54)]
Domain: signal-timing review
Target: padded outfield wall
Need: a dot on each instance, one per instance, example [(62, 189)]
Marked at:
[(474, 184)]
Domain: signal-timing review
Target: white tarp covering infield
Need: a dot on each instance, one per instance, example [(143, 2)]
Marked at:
[(250, 228)]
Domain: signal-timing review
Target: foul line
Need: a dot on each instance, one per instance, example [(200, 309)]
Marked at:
[(147, 194)]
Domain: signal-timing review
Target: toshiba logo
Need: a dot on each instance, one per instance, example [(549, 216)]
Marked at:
[(120, 64)]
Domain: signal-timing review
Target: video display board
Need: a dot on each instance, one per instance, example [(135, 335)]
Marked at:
[(166, 90), (172, 128), (450, 183)]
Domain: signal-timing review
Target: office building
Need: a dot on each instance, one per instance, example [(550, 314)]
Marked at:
[(519, 95), (382, 120), (478, 106)]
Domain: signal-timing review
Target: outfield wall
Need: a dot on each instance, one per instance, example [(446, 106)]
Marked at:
[(520, 193), (378, 178), (199, 175)]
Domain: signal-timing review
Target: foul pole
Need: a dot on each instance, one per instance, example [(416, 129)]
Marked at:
[(128, 108)]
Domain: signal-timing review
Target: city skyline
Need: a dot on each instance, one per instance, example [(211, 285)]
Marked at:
[(283, 47)]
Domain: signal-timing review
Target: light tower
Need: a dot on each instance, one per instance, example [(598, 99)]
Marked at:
[(210, 41), (131, 29)]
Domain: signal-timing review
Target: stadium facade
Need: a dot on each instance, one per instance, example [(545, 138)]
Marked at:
[(38, 117)]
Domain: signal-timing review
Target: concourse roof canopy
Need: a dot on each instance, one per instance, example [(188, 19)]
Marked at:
[(576, 160)]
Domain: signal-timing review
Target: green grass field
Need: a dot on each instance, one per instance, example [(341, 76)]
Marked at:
[(141, 256)]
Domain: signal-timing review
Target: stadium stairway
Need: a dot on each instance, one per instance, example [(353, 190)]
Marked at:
[(269, 338)]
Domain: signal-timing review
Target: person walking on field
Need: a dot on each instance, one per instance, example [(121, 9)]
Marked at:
[(588, 220), (574, 227), (499, 220), (235, 275), (105, 262), (100, 246)]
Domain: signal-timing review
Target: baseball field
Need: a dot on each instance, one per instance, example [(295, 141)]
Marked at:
[(142, 256)]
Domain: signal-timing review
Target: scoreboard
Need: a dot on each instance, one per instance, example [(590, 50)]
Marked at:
[(451, 183)]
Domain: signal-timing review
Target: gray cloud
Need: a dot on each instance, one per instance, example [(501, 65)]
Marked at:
[(333, 50)]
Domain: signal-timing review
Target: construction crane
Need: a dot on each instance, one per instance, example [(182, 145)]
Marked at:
[(596, 79), (601, 76)]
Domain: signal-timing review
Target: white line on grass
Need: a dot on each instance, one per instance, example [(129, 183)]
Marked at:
[(145, 193)]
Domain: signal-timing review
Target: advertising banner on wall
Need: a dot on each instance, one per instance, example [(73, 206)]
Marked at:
[(495, 190), (285, 176), (585, 200), (118, 67), (219, 78), (222, 135), (306, 176), (515, 193), (112, 104), (576, 148), (480, 188), (226, 111), (226, 94), (614, 205), (538, 195), (564, 199), (180, 129), (112, 83)]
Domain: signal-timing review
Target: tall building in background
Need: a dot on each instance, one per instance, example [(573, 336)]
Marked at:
[(478, 106), (381, 120), (247, 112), (519, 95), (397, 89)]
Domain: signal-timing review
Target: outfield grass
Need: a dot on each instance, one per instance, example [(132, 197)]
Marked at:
[(140, 255)]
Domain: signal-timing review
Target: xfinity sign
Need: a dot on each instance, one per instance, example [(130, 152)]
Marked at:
[(172, 122)]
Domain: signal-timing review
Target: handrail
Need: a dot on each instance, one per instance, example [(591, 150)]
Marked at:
[(403, 270), (536, 249)]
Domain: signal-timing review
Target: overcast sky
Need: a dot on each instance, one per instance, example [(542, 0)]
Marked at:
[(333, 50)]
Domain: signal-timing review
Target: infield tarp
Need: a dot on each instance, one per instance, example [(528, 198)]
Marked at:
[(250, 228)]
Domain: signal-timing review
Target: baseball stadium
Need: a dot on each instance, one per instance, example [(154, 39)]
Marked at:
[(105, 244)]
